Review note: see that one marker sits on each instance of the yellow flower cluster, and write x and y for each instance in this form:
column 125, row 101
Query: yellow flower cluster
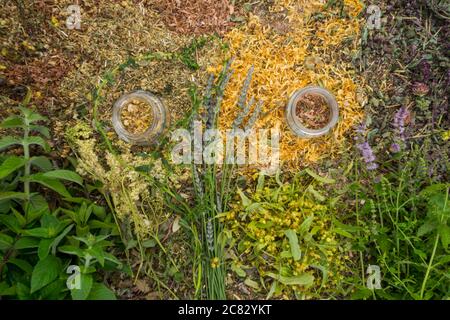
column 128, row 188
column 261, row 223
column 312, row 51
column 215, row 262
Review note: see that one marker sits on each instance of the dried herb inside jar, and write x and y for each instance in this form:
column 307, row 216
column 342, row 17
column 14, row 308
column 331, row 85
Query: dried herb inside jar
column 137, row 116
column 313, row 111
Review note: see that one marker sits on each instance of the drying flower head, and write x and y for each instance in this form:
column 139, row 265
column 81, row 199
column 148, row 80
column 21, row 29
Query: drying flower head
column 420, row 89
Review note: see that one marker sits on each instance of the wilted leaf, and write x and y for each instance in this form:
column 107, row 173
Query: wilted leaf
column 142, row 286
column 176, row 224
column 251, row 283
column 245, row 200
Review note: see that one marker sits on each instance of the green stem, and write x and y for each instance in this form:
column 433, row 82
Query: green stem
column 26, row 153
column 422, row 291
column 436, row 242
column 358, row 223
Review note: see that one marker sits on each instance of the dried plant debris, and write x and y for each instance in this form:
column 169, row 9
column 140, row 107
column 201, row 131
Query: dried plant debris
column 137, row 116
column 62, row 66
column 197, row 16
column 313, row 111
column 280, row 67
column 43, row 73
column 29, row 53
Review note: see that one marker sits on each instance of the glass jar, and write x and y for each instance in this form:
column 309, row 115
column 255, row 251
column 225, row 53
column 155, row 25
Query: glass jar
column 294, row 121
column 155, row 129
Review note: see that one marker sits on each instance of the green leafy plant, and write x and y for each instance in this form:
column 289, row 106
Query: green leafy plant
column 36, row 241
column 402, row 226
column 284, row 240
column 90, row 253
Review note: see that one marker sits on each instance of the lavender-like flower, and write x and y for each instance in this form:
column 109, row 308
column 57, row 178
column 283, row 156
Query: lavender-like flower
column 395, row 148
column 400, row 119
column 361, row 129
column 399, row 122
column 364, row 147
column 368, row 156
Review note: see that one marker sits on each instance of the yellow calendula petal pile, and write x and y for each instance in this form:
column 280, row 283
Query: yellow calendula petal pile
column 317, row 49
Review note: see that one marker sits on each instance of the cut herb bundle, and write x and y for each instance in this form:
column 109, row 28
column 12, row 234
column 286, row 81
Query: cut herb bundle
column 214, row 185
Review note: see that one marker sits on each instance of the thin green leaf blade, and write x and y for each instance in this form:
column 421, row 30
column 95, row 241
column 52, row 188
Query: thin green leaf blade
column 6, row 242
column 41, row 129
column 22, row 264
column 44, row 248
column 26, row 243
column 64, row 175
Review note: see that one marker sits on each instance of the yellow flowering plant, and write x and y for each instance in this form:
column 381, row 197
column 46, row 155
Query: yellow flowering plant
column 286, row 233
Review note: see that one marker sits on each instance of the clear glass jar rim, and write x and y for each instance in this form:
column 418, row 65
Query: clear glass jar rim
column 155, row 129
column 294, row 122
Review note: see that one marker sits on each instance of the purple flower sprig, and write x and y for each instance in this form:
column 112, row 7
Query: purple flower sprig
column 395, row 148
column 365, row 148
column 399, row 123
column 368, row 155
